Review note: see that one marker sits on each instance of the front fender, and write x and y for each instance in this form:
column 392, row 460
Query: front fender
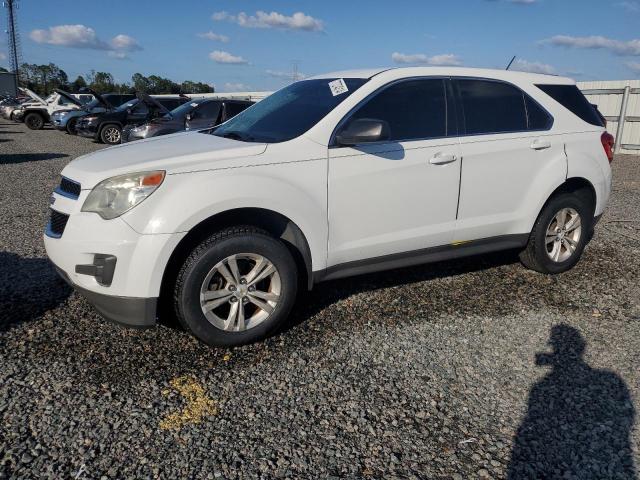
column 186, row 200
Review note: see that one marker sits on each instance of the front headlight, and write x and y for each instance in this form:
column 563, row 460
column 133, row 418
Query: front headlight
column 140, row 129
column 114, row 196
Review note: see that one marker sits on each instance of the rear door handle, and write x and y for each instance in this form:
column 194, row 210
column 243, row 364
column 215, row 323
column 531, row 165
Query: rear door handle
column 443, row 158
column 540, row 144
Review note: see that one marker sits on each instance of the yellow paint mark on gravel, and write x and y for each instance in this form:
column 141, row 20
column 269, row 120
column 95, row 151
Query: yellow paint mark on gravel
column 198, row 404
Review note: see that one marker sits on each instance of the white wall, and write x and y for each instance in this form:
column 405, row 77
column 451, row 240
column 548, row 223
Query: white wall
column 610, row 106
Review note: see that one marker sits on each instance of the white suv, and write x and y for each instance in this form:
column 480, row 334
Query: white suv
column 337, row 175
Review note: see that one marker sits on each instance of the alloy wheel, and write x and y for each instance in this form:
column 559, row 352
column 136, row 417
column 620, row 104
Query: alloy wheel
column 112, row 135
column 563, row 235
column 240, row 292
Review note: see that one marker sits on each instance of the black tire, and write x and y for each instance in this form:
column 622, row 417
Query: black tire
column 111, row 134
column 34, row 121
column 205, row 256
column 535, row 255
column 71, row 126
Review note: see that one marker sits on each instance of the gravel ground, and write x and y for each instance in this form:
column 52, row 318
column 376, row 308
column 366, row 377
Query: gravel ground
column 468, row 369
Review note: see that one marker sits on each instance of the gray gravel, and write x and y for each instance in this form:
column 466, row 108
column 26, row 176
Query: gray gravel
column 441, row 371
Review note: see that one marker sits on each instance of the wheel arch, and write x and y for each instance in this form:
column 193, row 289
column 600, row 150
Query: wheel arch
column 271, row 221
column 579, row 185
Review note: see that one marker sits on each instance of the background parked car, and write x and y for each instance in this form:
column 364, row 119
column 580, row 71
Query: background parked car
column 195, row 114
column 37, row 113
column 65, row 120
column 8, row 104
column 107, row 127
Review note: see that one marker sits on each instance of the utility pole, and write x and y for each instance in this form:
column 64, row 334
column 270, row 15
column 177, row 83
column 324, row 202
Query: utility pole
column 14, row 39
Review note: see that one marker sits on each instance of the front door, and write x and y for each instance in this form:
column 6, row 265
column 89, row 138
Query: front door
column 397, row 196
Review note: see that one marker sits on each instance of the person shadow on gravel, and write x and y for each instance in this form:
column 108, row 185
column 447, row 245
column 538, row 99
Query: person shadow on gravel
column 579, row 420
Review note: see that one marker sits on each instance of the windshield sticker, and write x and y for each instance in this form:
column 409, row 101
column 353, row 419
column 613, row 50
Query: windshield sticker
column 194, row 104
column 338, row 87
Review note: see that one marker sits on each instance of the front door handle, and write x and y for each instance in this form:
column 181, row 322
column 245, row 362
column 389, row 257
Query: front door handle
column 443, row 158
column 540, row 144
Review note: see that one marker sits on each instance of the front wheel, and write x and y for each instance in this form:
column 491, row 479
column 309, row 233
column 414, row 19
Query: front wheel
column 111, row 135
column 71, row 126
column 560, row 235
column 34, row 121
column 236, row 287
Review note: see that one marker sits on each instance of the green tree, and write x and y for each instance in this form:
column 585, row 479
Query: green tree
column 43, row 79
column 78, row 83
column 140, row 83
column 195, row 87
column 102, row 82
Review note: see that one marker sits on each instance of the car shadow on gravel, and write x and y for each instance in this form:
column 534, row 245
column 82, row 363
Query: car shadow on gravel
column 13, row 158
column 328, row 293
column 28, row 288
column 579, row 420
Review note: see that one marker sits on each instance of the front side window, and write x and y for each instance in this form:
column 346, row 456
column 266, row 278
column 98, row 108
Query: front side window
column 414, row 109
column 209, row 110
column 289, row 112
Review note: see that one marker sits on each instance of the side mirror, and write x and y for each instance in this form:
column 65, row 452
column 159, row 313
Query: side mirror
column 363, row 130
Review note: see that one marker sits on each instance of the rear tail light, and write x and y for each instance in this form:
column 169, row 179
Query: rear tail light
column 607, row 143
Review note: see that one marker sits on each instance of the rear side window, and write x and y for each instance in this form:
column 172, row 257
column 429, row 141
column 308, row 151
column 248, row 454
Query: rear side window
column 570, row 97
column 414, row 109
column 537, row 117
column 499, row 107
column 492, row 107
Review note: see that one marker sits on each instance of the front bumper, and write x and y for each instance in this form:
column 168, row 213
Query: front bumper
column 18, row 115
column 127, row 311
column 87, row 130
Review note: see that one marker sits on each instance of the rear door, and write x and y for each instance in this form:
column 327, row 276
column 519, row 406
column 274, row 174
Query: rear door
column 509, row 155
column 398, row 196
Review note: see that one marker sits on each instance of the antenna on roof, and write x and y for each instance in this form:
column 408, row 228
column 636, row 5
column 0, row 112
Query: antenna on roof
column 511, row 62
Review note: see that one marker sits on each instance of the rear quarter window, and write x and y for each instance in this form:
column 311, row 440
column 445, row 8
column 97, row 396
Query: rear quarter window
column 570, row 97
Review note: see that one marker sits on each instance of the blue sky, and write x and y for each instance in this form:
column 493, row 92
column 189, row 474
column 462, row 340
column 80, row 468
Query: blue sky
column 242, row 44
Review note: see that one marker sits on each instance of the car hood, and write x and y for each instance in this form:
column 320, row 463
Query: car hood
column 35, row 97
column 177, row 153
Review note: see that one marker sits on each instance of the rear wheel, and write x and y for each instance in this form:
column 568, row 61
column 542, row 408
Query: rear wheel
column 559, row 235
column 34, row 121
column 111, row 134
column 71, row 126
column 236, row 287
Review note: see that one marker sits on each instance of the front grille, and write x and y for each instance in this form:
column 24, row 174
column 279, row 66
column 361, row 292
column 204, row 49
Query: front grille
column 57, row 223
column 69, row 188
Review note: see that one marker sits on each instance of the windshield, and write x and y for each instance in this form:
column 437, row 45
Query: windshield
column 289, row 112
column 128, row 104
column 182, row 110
column 92, row 104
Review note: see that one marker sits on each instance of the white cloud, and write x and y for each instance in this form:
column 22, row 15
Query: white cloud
column 3, row 56
column 630, row 47
column 235, row 87
column 81, row 36
column 76, row 36
column 630, row 6
column 635, row 66
column 532, row 67
column 216, row 37
column 285, row 75
column 220, row 56
column 297, row 21
column 125, row 43
column 422, row 59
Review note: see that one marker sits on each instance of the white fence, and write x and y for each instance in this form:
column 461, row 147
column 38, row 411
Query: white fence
column 619, row 102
